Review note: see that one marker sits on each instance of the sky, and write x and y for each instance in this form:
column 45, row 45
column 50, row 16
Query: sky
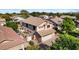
column 39, row 10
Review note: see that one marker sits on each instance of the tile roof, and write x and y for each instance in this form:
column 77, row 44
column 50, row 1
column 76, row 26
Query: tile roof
column 46, row 32
column 36, row 21
column 57, row 20
column 9, row 38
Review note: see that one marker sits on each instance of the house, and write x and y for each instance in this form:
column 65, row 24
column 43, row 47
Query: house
column 17, row 18
column 2, row 21
column 9, row 39
column 41, row 30
column 44, row 16
column 77, row 23
column 56, row 21
column 64, row 16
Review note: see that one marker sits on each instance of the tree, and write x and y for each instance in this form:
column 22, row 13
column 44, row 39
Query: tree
column 12, row 25
column 35, row 47
column 58, row 14
column 68, row 25
column 44, row 13
column 51, row 14
column 35, row 14
column 24, row 13
column 32, row 46
column 7, row 18
column 31, row 43
column 66, row 42
column 77, row 15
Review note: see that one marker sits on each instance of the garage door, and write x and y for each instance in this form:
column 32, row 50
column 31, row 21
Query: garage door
column 47, row 37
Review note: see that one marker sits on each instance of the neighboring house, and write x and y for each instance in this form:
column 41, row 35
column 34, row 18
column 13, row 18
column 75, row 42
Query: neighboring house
column 64, row 16
column 77, row 23
column 42, row 29
column 56, row 21
column 17, row 18
column 44, row 16
column 2, row 21
column 9, row 39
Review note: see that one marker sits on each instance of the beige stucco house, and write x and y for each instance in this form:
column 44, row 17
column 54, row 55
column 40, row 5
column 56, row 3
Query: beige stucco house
column 41, row 30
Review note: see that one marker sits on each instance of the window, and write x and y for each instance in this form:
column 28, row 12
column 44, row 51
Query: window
column 44, row 26
column 48, row 26
column 34, row 28
column 26, row 25
column 22, row 23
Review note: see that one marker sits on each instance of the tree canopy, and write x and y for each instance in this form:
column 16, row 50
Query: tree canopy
column 66, row 42
column 32, row 46
column 12, row 25
column 68, row 24
column 24, row 13
column 35, row 14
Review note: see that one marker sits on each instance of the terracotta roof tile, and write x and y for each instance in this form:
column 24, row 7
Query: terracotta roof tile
column 36, row 21
column 46, row 32
column 9, row 38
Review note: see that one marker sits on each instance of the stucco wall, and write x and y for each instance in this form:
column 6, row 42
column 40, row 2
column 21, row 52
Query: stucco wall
column 48, row 37
column 41, row 27
column 29, row 38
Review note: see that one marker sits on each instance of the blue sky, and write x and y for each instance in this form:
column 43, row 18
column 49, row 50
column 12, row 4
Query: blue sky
column 39, row 10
